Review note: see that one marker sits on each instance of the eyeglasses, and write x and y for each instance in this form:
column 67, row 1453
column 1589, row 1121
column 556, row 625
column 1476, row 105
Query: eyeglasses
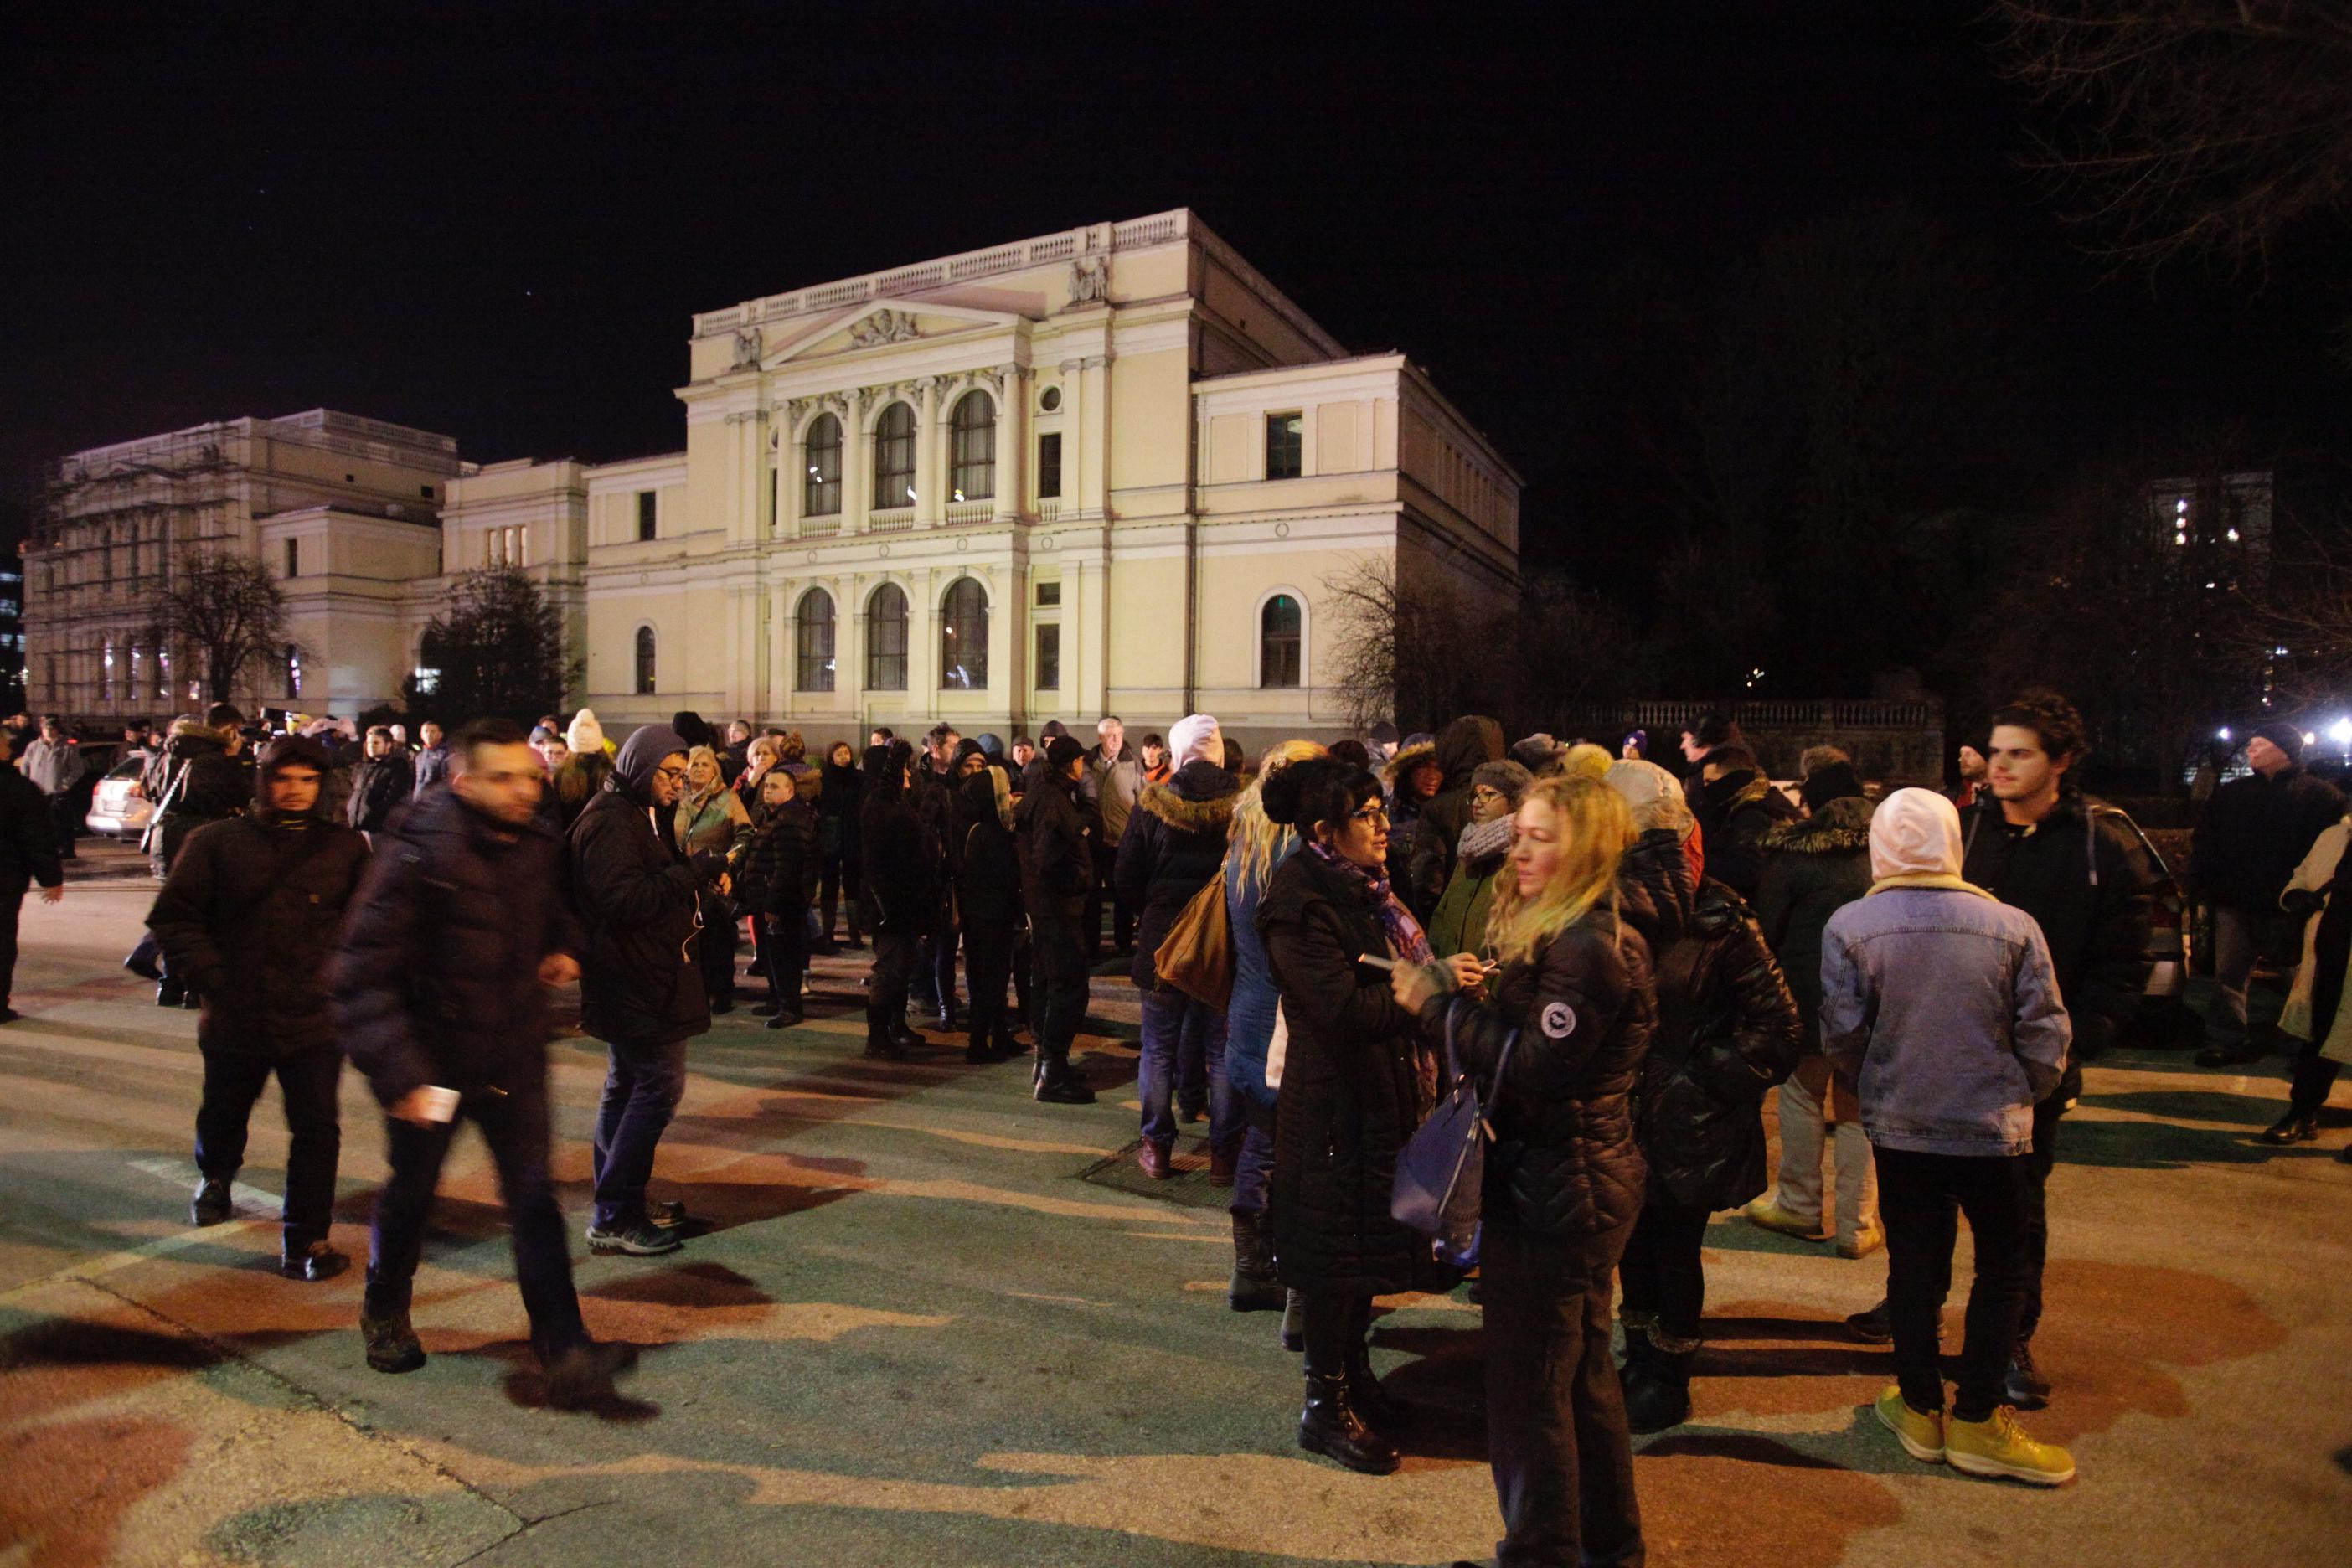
column 1378, row 814
column 676, row 776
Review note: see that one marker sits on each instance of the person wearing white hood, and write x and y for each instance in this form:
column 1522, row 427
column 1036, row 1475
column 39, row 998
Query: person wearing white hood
column 1942, row 1002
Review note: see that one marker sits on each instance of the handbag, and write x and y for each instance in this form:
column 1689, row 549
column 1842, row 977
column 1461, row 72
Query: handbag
column 1440, row 1171
column 1196, row 956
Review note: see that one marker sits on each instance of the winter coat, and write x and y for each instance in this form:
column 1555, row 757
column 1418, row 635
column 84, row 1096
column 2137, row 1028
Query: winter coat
column 1404, row 813
column 641, row 979
column 2327, row 1022
column 200, row 782
column 248, row 917
column 1173, row 847
column 1249, row 1014
column 28, row 845
column 1056, row 866
column 2083, row 875
column 1111, row 787
column 1727, row 1031
column 2303, row 895
column 1942, row 1004
column 718, row 823
column 54, row 767
column 2252, row 832
column 378, row 784
column 1813, row 868
column 1458, row 924
column 1734, row 812
column 1350, row 1089
column 1463, row 747
column 987, row 862
column 432, row 767
column 900, row 890
column 436, row 978
column 776, row 873
column 836, row 811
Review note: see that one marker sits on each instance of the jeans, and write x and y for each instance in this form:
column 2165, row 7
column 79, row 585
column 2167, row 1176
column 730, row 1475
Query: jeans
column 933, row 984
column 1555, row 1431
column 307, row 1080
column 643, row 1083
column 2239, row 939
column 2035, row 1239
column 1920, row 1198
column 515, row 1128
column 1061, row 980
column 1184, row 1057
column 886, row 983
column 1255, row 1168
column 1662, row 1273
column 1802, row 1135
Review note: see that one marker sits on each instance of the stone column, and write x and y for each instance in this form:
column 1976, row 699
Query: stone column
column 857, row 462
column 1012, row 445
column 931, row 455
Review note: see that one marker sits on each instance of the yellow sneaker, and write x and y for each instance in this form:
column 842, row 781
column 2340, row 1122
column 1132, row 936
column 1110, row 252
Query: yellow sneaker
column 1997, row 1446
column 1921, row 1433
column 1864, row 1242
column 1772, row 1216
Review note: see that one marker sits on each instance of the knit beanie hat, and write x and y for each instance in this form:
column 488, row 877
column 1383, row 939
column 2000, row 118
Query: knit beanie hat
column 1061, row 752
column 1196, row 736
column 1506, row 778
column 1586, row 760
column 583, row 733
column 1538, row 753
column 2286, row 737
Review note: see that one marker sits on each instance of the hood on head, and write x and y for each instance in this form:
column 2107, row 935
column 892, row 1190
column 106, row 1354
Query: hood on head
column 643, row 752
column 1406, row 759
column 887, row 766
column 1914, row 833
column 278, row 753
column 1196, row 738
column 1463, row 744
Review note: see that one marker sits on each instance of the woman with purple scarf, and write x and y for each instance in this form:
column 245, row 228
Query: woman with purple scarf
column 1355, row 1084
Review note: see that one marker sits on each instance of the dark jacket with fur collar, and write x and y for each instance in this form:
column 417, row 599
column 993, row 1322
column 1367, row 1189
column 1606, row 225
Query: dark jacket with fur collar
column 1812, row 869
column 1173, row 844
column 1734, row 814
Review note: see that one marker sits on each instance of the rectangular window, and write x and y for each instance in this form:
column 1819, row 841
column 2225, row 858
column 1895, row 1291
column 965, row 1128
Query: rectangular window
column 1285, row 445
column 425, row 490
column 1049, row 593
column 775, row 508
column 645, row 514
column 1049, row 465
column 1049, row 657
column 293, row 558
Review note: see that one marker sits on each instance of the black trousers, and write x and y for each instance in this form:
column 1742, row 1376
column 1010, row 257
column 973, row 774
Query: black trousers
column 1122, row 919
column 782, row 943
column 307, row 1081
column 2314, row 1075
column 1920, row 1199
column 1660, row 1269
column 12, row 910
column 1555, row 1416
column 2036, row 1239
column 64, row 820
column 988, row 968
column 515, row 1128
column 934, row 986
column 1024, row 977
column 886, row 987
column 1061, row 980
column 719, row 932
column 837, row 886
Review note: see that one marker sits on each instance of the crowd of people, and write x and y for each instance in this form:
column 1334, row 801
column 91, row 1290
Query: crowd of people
column 1628, row 958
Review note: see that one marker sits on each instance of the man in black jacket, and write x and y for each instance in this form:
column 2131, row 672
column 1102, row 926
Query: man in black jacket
column 900, row 895
column 440, row 997
column 2076, row 866
column 2253, row 833
column 641, row 991
column 432, row 769
column 1056, row 867
column 386, row 780
column 1736, row 805
column 247, row 919
column 28, row 854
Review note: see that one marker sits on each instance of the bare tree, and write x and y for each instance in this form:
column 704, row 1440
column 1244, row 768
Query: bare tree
column 2190, row 127
column 498, row 652
column 225, row 612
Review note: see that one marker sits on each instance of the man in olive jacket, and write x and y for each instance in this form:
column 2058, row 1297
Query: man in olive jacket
column 247, row 919
column 641, row 987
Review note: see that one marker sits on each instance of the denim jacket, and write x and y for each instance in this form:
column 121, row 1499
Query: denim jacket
column 1945, row 1005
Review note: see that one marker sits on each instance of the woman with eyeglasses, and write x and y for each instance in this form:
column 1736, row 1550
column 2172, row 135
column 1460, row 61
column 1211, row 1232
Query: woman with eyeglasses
column 1355, row 1084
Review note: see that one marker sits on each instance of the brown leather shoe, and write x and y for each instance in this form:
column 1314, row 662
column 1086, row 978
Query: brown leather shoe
column 1153, row 1160
column 1222, row 1163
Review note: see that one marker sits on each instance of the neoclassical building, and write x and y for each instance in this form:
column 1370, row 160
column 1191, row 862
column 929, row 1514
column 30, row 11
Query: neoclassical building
column 1111, row 469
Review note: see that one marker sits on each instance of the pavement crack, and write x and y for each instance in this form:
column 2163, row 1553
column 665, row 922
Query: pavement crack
column 527, row 1526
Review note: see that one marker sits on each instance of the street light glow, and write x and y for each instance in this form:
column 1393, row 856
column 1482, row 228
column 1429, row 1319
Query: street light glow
column 2222, row 734
column 2341, row 731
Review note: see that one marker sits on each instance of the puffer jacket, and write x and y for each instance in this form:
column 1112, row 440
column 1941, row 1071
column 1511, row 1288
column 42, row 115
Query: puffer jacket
column 436, row 978
column 249, row 914
column 1350, row 1089
column 1734, row 814
column 641, row 979
column 1812, row 869
column 1458, row 924
column 776, row 871
column 1173, row 846
column 1571, row 1166
column 379, row 785
column 1462, row 748
column 1727, row 1031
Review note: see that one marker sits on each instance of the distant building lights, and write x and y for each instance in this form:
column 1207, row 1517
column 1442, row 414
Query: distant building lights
column 2233, row 536
column 2222, row 734
column 2181, row 507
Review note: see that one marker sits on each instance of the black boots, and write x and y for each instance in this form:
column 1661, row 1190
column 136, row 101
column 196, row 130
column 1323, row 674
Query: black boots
column 1055, row 1081
column 312, row 1262
column 1254, row 1288
column 1656, row 1382
column 1387, row 1414
column 2024, row 1386
column 2294, row 1127
column 882, row 1042
column 211, row 1203
column 1294, row 1322
column 392, row 1344
column 1332, row 1422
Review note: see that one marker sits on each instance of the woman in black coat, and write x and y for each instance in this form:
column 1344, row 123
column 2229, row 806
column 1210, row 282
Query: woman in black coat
column 1352, row 1090
column 900, row 897
column 987, row 867
column 773, row 875
column 838, row 846
column 1727, row 1031
column 1564, row 1180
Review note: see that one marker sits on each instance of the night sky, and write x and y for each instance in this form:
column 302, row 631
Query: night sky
column 499, row 229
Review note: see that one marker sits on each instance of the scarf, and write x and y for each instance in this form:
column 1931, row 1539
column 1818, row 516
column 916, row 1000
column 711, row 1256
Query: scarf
column 1405, row 938
column 1926, row 880
column 1484, row 840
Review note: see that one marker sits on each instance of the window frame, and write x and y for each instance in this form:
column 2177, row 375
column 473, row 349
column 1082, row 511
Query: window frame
column 814, row 485
column 1293, row 444
column 815, row 669
column 1047, row 669
column 1049, row 470
column 648, row 516
column 878, row 676
column 963, row 626
column 971, row 447
column 894, row 486
column 1270, row 642
column 647, row 671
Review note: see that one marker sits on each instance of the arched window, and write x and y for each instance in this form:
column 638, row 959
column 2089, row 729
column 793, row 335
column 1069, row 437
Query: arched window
column 644, row 661
column 821, row 487
column 815, row 615
column 972, row 426
column 894, row 457
column 1278, row 627
column 963, row 637
column 886, row 640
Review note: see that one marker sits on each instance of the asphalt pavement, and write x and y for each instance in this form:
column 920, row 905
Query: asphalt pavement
column 909, row 1330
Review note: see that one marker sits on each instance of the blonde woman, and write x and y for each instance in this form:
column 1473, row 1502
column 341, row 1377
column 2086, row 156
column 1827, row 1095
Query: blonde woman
column 1564, row 1181
column 711, row 816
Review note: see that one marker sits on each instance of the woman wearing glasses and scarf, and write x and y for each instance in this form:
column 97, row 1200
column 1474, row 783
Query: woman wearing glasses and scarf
column 1355, row 1084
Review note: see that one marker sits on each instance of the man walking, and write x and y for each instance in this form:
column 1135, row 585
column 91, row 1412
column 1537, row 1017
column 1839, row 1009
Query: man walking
column 2250, row 837
column 641, row 991
column 1057, row 868
column 440, row 997
column 247, row 921
column 383, row 781
column 1113, row 783
column 55, row 765
column 28, row 854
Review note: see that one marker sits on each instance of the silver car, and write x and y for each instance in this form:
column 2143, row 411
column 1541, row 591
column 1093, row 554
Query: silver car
column 119, row 806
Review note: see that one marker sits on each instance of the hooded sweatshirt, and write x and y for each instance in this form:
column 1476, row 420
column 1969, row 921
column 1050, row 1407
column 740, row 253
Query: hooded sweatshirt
column 1939, row 999
column 641, row 979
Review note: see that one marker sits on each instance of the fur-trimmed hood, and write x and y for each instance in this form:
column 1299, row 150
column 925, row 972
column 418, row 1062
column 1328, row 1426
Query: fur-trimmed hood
column 1841, row 827
column 1199, row 798
column 1404, row 761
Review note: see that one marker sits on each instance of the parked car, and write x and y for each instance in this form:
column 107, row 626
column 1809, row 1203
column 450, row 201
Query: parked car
column 119, row 806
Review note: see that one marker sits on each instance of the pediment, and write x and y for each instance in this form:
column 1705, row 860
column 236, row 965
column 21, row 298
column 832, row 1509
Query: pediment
column 879, row 325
